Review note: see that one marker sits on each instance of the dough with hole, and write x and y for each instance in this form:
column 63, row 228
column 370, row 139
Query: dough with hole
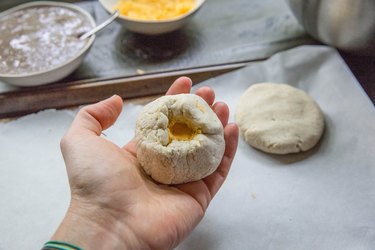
column 179, row 139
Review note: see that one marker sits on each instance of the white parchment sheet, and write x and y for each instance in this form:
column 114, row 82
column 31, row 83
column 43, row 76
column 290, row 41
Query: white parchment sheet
column 321, row 199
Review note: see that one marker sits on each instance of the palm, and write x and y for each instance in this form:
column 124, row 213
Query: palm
column 121, row 186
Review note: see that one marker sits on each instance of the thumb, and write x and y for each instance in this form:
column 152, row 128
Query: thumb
column 97, row 117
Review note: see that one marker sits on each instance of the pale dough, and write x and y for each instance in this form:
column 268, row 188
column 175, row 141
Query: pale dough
column 278, row 118
column 179, row 139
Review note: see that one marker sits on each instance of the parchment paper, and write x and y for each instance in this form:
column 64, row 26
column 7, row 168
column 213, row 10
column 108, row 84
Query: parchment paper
column 321, row 199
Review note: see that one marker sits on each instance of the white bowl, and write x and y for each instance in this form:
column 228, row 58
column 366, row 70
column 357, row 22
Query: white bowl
column 59, row 71
column 152, row 27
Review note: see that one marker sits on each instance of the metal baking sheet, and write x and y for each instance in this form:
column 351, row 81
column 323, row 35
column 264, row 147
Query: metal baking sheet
column 221, row 32
column 321, row 199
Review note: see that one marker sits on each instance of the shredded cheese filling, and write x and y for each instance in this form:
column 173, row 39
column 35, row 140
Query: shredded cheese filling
column 154, row 10
column 181, row 131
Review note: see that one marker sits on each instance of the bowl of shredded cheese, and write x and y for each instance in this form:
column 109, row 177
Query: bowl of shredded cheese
column 153, row 17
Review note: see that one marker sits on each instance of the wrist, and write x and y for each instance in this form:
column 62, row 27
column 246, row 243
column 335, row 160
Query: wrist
column 90, row 227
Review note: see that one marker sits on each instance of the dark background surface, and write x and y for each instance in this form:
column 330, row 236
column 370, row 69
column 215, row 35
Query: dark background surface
column 363, row 68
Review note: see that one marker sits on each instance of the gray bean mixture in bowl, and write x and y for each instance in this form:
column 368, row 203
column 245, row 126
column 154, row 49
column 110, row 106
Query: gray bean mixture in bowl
column 40, row 38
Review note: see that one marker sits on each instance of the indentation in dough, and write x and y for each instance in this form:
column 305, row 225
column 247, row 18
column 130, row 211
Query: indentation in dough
column 181, row 130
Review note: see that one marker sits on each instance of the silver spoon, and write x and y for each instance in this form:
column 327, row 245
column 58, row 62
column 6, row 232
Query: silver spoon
column 100, row 26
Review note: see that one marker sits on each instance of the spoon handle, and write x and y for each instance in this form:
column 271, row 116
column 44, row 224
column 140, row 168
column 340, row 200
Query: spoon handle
column 100, row 26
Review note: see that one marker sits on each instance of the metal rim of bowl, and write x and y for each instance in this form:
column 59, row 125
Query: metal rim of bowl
column 57, row 4
column 170, row 20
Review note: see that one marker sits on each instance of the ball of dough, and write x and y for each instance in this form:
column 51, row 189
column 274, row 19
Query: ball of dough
column 279, row 119
column 179, row 139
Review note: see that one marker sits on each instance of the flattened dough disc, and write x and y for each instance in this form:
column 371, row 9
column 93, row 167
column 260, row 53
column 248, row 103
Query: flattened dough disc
column 278, row 118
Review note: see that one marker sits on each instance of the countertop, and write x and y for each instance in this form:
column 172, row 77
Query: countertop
column 363, row 68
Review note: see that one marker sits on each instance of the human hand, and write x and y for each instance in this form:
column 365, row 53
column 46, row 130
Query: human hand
column 113, row 204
